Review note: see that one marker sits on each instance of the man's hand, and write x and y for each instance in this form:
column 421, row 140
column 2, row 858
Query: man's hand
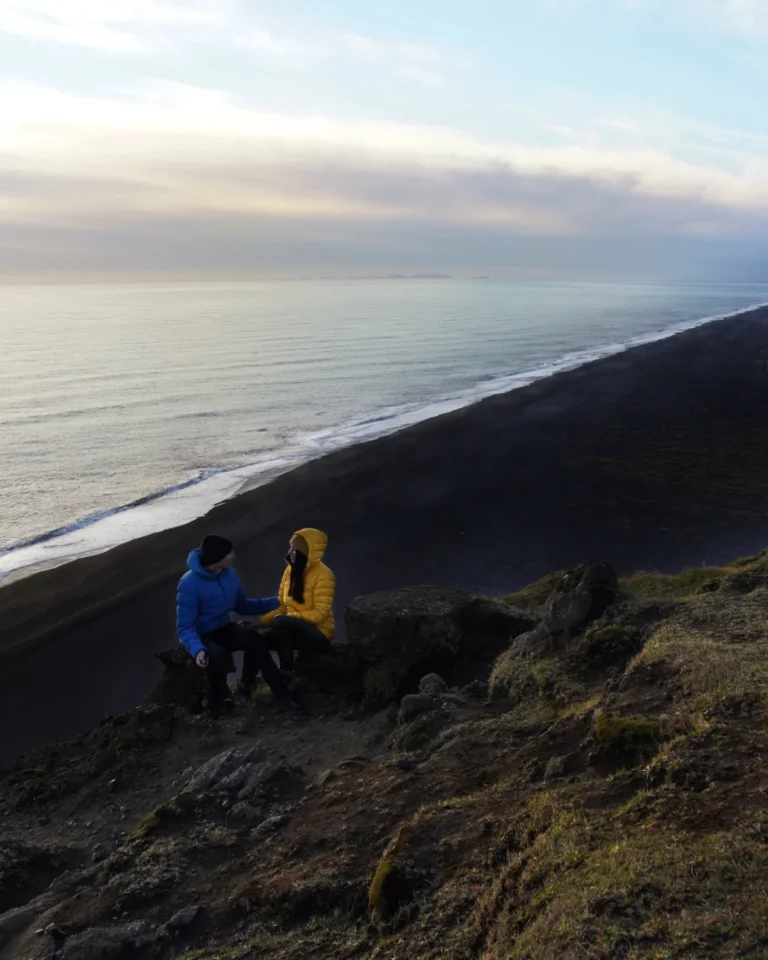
column 202, row 659
column 249, row 624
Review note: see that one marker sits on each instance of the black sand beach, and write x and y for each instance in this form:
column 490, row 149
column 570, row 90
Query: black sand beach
column 654, row 458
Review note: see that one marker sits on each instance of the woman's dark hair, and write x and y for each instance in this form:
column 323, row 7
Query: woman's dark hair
column 298, row 567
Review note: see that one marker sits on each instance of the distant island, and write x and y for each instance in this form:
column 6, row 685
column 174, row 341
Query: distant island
column 391, row 276
column 406, row 276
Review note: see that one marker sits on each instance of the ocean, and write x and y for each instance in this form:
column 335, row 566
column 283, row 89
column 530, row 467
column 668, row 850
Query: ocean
column 130, row 408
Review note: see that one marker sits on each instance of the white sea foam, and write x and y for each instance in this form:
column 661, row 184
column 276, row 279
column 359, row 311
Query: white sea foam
column 195, row 495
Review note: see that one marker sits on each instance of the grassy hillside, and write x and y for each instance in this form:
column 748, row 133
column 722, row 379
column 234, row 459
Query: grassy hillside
column 613, row 804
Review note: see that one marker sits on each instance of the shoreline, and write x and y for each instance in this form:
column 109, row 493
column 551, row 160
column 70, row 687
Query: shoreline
column 650, row 457
column 277, row 463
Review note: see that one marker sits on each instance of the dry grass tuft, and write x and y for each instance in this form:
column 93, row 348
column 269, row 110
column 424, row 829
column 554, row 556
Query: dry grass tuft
column 533, row 597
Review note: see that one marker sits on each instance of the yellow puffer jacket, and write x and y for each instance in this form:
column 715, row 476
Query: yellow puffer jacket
column 319, row 588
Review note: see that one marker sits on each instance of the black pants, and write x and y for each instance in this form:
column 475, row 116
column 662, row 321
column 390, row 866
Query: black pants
column 286, row 635
column 221, row 644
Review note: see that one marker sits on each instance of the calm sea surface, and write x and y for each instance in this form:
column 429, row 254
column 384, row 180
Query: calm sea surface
column 129, row 408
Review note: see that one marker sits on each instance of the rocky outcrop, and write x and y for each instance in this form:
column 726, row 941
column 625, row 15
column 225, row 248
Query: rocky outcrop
column 581, row 595
column 615, row 799
column 112, row 943
column 579, row 598
column 394, row 639
column 182, row 683
column 432, row 685
column 401, row 635
column 336, row 672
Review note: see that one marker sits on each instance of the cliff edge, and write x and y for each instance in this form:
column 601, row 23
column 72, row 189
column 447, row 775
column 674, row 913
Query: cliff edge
column 575, row 771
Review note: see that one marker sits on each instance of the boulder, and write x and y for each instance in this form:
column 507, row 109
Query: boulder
column 270, row 825
column 579, row 597
column 111, row 943
column 238, row 776
column 336, row 672
column 400, row 635
column 432, row 685
column 182, row 683
column 414, row 704
column 226, row 772
column 184, row 918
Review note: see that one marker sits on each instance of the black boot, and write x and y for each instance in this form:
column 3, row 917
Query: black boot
column 219, row 700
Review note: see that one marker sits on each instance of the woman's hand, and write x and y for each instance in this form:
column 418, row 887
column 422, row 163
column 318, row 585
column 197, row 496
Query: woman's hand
column 202, row 659
column 254, row 624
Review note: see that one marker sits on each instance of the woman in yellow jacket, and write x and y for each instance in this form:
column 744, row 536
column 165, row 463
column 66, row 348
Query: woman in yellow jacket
column 304, row 620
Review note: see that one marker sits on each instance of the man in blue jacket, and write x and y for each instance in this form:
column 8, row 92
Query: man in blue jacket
column 208, row 592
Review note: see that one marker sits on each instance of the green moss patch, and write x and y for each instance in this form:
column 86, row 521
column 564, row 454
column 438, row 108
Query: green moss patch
column 174, row 809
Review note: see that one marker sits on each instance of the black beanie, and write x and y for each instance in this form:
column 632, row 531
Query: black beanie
column 213, row 549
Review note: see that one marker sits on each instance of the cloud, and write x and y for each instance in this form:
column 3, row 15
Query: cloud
column 283, row 48
column 139, row 26
column 422, row 64
column 746, row 16
column 170, row 155
column 299, row 45
column 115, row 26
column 428, row 78
column 154, row 127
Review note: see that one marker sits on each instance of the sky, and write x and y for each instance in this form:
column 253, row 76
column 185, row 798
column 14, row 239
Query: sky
column 555, row 138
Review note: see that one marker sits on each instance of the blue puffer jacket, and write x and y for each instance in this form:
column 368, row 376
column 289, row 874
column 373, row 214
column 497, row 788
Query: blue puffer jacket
column 204, row 601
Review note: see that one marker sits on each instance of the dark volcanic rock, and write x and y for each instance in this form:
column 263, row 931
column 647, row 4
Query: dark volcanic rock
column 580, row 596
column 111, row 943
column 414, row 704
column 337, row 671
column 400, row 635
column 182, row 683
column 270, row 825
column 432, row 685
column 184, row 918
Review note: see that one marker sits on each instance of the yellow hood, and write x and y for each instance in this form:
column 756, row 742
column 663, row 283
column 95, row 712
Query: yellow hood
column 317, row 541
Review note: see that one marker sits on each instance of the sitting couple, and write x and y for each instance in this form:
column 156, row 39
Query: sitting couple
column 299, row 618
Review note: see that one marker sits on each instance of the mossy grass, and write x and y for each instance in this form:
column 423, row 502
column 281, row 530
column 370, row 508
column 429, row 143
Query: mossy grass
column 634, row 738
column 525, row 680
column 533, row 597
column 653, row 585
column 595, row 873
column 385, row 892
column 163, row 814
column 715, row 651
